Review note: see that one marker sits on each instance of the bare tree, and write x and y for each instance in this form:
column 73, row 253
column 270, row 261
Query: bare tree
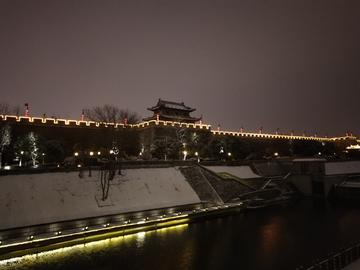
column 7, row 109
column 111, row 114
column 5, row 140
column 33, row 147
column 181, row 137
column 107, row 173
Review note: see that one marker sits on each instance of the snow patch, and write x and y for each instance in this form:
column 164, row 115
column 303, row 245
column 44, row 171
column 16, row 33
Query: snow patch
column 45, row 198
column 243, row 172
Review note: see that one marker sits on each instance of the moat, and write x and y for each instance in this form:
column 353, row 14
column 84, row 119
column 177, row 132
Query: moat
column 271, row 238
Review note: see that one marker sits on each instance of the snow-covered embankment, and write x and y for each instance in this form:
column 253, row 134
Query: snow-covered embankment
column 32, row 199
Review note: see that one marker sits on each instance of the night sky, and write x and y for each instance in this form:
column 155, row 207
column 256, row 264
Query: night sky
column 292, row 65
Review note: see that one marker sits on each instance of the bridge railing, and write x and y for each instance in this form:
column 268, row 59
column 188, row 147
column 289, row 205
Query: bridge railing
column 337, row 261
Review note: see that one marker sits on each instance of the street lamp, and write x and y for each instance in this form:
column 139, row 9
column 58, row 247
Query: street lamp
column 197, row 155
column 22, row 152
column 185, row 153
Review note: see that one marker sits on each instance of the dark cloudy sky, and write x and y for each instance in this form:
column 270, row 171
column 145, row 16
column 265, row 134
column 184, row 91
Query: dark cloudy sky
column 292, row 65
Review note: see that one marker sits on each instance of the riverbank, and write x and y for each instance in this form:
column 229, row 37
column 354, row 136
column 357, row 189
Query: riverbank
column 51, row 209
column 31, row 199
column 54, row 239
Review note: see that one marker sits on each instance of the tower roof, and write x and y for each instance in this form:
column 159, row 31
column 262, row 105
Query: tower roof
column 171, row 105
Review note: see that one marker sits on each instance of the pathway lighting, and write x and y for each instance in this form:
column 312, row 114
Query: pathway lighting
column 22, row 152
column 197, row 155
column 91, row 153
column 164, row 216
column 99, row 153
column 76, row 154
column 86, row 228
column 129, row 221
column 111, row 151
column 179, row 213
column 31, row 237
column 194, row 211
column 59, row 233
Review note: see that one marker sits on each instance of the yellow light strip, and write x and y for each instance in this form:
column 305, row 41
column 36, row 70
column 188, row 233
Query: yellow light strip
column 62, row 235
column 264, row 135
column 166, row 123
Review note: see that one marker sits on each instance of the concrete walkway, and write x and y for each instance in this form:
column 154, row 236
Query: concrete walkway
column 353, row 266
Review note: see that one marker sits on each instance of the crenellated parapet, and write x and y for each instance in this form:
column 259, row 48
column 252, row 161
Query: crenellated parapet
column 59, row 122
column 161, row 123
column 278, row 136
column 48, row 122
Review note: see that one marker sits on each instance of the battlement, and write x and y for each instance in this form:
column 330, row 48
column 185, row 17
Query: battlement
column 157, row 123
column 274, row 136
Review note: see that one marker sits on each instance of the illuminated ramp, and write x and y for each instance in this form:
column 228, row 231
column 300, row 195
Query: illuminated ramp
column 241, row 174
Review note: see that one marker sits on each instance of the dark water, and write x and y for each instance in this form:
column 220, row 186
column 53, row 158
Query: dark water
column 276, row 238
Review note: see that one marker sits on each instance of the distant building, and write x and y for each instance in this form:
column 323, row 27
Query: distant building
column 172, row 111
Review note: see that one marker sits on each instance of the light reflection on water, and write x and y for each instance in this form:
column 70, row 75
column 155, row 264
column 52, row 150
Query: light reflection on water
column 276, row 238
column 58, row 258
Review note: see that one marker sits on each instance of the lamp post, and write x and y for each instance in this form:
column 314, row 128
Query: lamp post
column 197, row 155
column 21, row 155
column 185, row 153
